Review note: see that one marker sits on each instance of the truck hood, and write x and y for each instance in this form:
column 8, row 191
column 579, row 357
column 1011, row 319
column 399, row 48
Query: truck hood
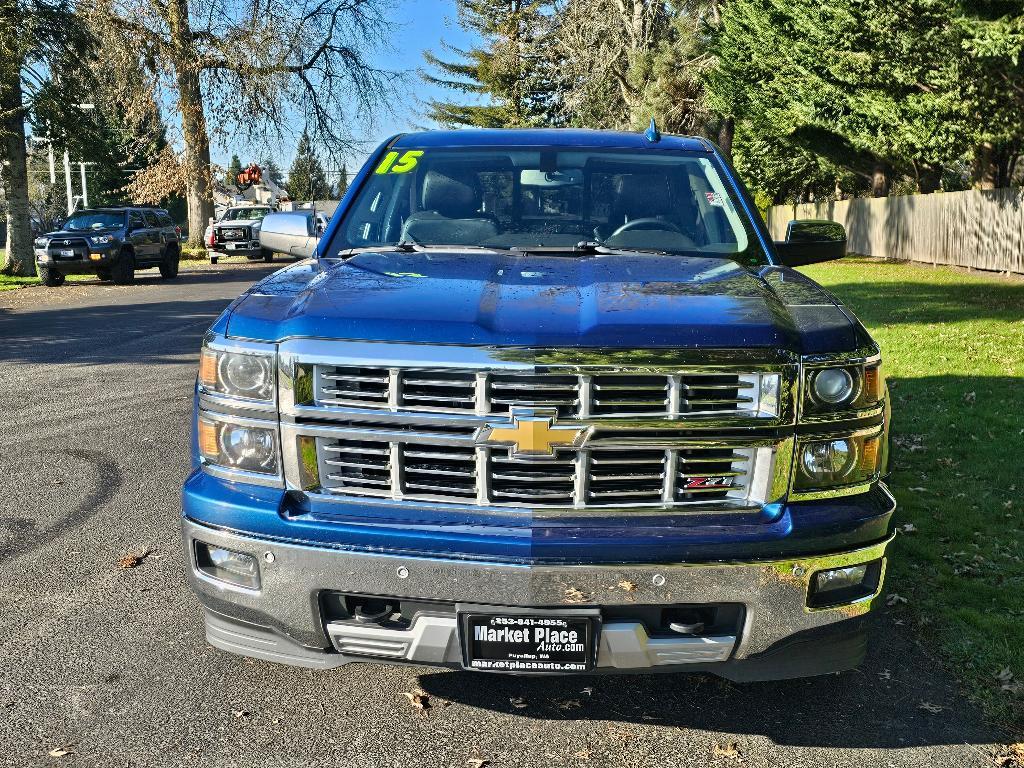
column 507, row 299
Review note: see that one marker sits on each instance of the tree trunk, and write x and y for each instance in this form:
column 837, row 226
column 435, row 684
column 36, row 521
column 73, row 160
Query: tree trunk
column 726, row 131
column 929, row 179
column 986, row 171
column 198, row 187
column 881, row 180
column 19, row 258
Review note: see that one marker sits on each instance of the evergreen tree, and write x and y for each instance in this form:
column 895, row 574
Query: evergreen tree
column 507, row 72
column 272, row 171
column 342, row 182
column 306, row 178
column 231, row 175
column 861, row 88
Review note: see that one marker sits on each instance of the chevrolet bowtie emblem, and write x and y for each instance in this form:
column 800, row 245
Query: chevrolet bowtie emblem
column 532, row 435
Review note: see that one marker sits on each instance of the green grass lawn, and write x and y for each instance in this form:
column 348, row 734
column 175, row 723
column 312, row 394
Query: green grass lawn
column 953, row 351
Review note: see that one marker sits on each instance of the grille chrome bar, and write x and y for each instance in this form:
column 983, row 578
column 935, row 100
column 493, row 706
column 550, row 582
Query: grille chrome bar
column 616, row 395
column 440, row 467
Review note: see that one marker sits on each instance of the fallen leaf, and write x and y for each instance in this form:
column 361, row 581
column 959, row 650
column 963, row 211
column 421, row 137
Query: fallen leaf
column 627, row 586
column 133, row 561
column 518, row 703
column 1010, row 756
column 62, row 751
column 894, row 599
column 907, row 528
column 927, row 706
column 569, row 704
column 588, row 691
column 918, row 489
column 730, row 750
column 573, row 595
column 1004, row 675
column 970, row 397
column 418, row 699
column 239, row 713
column 584, row 754
column 885, row 674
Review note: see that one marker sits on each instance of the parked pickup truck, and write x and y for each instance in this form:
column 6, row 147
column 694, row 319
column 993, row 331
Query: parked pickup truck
column 238, row 232
column 545, row 401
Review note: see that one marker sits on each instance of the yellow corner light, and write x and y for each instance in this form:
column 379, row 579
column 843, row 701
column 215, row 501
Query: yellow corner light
column 208, row 439
column 95, row 256
column 874, row 384
column 869, row 455
column 208, row 368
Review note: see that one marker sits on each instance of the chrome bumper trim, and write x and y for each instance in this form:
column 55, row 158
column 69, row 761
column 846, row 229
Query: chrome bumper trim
column 773, row 592
column 435, row 640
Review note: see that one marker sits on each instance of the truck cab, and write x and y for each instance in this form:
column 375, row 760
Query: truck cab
column 543, row 402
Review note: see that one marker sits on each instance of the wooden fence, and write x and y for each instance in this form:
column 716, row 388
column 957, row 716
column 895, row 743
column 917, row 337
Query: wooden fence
column 979, row 229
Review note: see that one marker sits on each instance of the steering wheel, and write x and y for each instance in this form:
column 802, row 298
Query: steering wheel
column 648, row 223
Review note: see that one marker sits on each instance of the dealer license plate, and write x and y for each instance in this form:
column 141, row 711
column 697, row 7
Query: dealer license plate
column 528, row 642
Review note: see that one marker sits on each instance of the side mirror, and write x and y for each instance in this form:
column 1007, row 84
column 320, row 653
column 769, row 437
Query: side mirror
column 810, row 241
column 290, row 232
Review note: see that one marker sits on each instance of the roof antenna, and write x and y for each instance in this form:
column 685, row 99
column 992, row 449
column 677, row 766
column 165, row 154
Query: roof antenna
column 652, row 134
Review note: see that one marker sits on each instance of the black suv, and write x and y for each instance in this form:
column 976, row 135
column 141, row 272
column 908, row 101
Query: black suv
column 110, row 242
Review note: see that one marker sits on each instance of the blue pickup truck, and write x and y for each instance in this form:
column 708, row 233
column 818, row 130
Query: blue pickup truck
column 545, row 401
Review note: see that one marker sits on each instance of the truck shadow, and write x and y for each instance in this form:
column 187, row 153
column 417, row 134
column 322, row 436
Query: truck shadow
column 897, row 698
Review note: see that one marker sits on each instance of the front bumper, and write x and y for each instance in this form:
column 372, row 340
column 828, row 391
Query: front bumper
column 243, row 247
column 83, row 263
column 284, row 620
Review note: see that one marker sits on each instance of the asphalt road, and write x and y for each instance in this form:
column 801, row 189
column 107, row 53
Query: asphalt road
column 109, row 666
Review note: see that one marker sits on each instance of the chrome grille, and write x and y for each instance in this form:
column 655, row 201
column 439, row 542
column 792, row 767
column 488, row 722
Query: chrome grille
column 570, row 395
column 449, row 467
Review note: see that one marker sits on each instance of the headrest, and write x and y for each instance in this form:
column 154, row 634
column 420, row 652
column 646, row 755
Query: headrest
column 452, row 197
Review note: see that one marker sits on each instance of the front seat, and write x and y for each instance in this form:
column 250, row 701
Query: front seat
column 449, row 213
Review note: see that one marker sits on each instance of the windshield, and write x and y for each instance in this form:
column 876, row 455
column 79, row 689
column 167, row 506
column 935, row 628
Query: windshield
column 245, row 214
column 89, row 220
column 662, row 201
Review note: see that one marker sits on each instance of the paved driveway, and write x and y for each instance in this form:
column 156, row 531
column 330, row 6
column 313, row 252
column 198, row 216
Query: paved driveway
column 109, row 666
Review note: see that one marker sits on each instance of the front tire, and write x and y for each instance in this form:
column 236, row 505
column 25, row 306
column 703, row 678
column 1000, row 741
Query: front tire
column 268, row 255
column 169, row 266
column 123, row 272
column 51, row 278
column 103, row 274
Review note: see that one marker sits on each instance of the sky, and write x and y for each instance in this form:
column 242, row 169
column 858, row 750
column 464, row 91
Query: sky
column 417, row 25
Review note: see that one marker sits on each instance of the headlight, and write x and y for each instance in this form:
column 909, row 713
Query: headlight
column 101, row 239
column 832, row 386
column 41, row 242
column 836, row 462
column 240, row 446
column 248, row 375
column 842, row 388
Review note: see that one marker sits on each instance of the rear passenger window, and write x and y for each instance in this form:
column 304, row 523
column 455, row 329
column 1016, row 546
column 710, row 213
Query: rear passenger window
column 165, row 219
column 135, row 220
column 151, row 220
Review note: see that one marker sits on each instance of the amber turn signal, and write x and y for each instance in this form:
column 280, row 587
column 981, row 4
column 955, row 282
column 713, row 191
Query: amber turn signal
column 208, row 439
column 208, row 368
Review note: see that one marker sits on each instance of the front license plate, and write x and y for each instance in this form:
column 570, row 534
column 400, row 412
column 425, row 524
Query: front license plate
column 67, row 252
column 528, row 643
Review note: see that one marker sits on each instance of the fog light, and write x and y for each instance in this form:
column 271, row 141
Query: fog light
column 840, row 586
column 227, row 565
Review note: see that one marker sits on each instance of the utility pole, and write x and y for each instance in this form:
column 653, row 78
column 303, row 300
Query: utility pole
column 85, row 187
column 67, row 183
